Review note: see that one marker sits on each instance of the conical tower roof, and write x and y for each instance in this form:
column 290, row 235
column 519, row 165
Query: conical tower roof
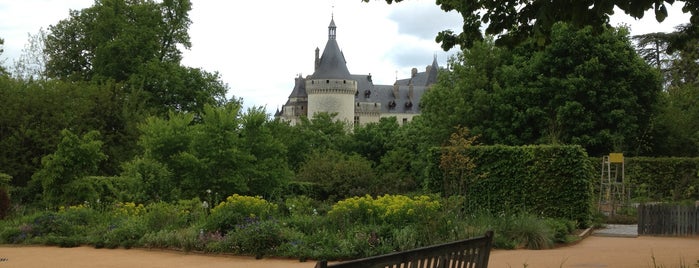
column 432, row 75
column 332, row 63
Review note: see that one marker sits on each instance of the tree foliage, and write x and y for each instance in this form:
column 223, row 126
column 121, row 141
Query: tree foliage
column 75, row 158
column 340, row 175
column 513, row 21
column 676, row 55
column 583, row 88
column 226, row 152
column 136, row 42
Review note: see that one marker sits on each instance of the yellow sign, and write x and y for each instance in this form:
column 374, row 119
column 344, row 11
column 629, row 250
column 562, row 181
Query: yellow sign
column 616, row 158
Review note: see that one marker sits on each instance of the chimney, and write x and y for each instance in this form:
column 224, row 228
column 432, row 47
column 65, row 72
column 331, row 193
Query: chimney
column 395, row 91
column 317, row 62
column 413, row 72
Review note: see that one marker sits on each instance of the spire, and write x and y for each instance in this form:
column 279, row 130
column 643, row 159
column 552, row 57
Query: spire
column 432, row 72
column 332, row 29
column 332, row 62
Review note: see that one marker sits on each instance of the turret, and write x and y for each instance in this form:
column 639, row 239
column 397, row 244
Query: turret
column 331, row 88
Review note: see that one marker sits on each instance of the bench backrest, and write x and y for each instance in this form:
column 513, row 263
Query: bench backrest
column 471, row 253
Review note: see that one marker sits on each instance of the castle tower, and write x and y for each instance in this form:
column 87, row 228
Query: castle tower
column 331, row 88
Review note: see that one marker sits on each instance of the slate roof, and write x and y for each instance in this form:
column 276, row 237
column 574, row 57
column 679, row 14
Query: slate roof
column 299, row 90
column 425, row 78
column 383, row 94
column 332, row 63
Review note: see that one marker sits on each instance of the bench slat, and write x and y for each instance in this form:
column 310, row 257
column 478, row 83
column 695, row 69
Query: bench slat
column 469, row 253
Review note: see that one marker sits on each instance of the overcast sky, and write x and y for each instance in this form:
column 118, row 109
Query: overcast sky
column 258, row 47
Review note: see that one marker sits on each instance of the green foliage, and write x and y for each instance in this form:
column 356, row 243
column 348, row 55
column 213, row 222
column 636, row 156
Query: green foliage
column 677, row 125
column 256, row 237
column 236, row 210
column 353, row 228
column 552, row 181
column 339, row 175
column 319, row 133
column 598, row 96
column 224, row 152
column 394, row 210
column 75, row 158
column 663, row 179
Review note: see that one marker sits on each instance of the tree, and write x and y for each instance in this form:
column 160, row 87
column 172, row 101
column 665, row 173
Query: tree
column 372, row 140
column 136, row 43
column 75, row 158
column 582, row 88
column 268, row 171
column 318, row 133
column 675, row 54
column 31, row 64
column 457, row 167
column 513, row 21
column 2, row 68
column 338, row 174
column 113, row 38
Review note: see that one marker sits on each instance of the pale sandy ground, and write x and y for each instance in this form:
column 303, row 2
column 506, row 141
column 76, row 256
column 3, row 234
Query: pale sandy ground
column 591, row 252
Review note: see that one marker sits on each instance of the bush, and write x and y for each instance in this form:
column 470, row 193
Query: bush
column 4, row 203
column 256, row 237
column 394, row 210
column 235, row 210
column 548, row 180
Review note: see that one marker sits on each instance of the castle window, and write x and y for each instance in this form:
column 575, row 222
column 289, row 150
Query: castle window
column 327, row 81
column 405, row 121
column 356, row 120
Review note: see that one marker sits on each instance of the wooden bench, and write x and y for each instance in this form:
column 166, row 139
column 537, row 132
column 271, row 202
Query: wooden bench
column 471, row 253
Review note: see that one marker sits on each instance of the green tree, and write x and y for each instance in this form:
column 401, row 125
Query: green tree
column 136, row 42
column 3, row 72
column 402, row 167
column 338, row 174
column 582, row 88
column 318, row 133
column 223, row 152
column 372, row 140
column 31, row 63
column 75, row 158
column 35, row 112
column 514, row 21
column 677, row 124
column 268, row 171
column 676, row 132
column 457, row 167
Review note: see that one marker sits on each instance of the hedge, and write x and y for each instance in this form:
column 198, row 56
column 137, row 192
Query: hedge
column 549, row 180
column 660, row 179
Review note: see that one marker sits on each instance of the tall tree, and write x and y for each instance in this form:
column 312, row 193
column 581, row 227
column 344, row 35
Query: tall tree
column 31, row 64
column 513, row 21
column 75, row 158
column 136, row 42
column 2, row 49
column 582, row 88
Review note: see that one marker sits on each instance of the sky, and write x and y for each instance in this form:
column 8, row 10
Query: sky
column 259, row 47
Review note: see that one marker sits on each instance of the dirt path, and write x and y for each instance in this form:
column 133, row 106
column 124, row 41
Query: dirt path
column 591, row 252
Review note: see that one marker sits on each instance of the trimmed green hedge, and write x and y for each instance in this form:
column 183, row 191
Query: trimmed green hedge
column 663, row 179
column 551, row 181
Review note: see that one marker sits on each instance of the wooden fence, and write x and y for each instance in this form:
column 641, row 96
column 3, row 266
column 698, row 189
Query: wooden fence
column 469, row 253
column 668, row 220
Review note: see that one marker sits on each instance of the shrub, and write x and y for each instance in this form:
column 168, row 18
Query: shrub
column 4, row 203
column 235, row 210
column 256, row 237
column 395, row 210
column 548, row 180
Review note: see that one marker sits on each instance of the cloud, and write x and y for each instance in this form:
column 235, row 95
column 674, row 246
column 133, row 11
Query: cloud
column 423, row 19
